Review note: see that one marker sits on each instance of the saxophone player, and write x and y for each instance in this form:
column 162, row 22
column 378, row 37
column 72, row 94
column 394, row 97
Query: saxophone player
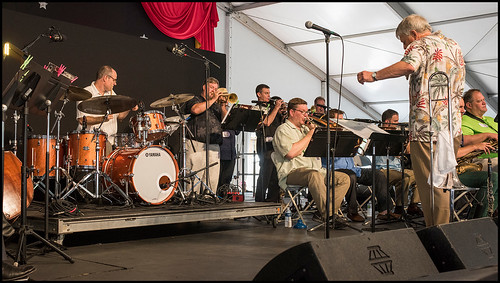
column 478, row 128
column 475, row 178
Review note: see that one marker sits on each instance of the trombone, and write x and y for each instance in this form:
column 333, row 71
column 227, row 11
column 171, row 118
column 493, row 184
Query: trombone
column 229, row 97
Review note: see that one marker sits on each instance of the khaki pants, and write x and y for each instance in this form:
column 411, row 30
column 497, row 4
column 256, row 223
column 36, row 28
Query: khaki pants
column 316, row 183
column 196, row 160
column 409, row 180
column 420, row 159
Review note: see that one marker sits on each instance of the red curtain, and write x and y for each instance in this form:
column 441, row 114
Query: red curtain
column 183, row 20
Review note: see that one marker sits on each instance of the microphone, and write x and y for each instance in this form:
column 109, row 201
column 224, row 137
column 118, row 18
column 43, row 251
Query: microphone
column 176, row 49
column 310, row 25
column 55, row 35
column 322, row 106
column 366, row 120
column 260, row 102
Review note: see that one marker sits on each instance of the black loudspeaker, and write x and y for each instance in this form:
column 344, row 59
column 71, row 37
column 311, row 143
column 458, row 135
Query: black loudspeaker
column 387, row 255
column 467, row 244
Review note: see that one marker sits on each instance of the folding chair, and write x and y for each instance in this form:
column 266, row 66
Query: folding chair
column 464, row 200
column 292, row 200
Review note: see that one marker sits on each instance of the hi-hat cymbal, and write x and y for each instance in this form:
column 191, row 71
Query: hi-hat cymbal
column 75, row 93
column 175, row 119
column 172, row 99
column 100, row 105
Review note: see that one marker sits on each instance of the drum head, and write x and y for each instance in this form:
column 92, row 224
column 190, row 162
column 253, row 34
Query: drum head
column 155, row 174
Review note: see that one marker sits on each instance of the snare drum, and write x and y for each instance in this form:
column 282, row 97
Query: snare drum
column 150, row 173
column 37, row 149
column 81, row 152
column 126, row 140
column 152, row 121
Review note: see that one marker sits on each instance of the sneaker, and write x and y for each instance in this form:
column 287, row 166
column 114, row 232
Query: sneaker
column 317, row 217
column 339, row 222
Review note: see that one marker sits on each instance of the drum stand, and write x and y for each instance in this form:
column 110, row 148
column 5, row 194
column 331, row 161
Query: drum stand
column 97, row 173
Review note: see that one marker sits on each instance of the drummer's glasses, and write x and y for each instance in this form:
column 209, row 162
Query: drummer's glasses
column 114, row 80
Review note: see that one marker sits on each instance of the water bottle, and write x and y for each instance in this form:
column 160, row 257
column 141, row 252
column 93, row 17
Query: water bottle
column 288, row 218
column 369, row 209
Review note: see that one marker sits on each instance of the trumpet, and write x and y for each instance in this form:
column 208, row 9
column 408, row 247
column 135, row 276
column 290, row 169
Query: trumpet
column 229, row 97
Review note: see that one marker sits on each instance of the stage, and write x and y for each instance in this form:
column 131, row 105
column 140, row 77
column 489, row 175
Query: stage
column 94, row 217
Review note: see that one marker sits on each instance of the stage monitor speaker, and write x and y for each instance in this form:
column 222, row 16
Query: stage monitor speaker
column 387, row 255
column 466, row 244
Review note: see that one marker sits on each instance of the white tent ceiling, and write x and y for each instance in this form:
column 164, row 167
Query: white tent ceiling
column 369, row 43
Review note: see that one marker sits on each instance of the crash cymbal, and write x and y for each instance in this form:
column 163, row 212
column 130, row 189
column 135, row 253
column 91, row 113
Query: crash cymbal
column 172, row 99
column 115, row 103
column 75, row 93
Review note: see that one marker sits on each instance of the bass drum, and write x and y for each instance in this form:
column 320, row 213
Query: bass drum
column 12, row 186
column 150, row 173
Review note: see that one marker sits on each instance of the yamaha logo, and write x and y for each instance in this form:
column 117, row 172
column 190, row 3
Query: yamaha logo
column 152, row 154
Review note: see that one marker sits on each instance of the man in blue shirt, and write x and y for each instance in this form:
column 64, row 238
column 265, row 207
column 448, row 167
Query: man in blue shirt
column 363, row 176
column 390, row 120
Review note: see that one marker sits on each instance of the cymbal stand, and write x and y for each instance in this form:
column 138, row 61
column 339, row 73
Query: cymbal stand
column 183, row 170
column 97, row 173
column 16, row 117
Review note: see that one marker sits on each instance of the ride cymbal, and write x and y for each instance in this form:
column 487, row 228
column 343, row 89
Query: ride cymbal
column 101, row 104
column 172, row 99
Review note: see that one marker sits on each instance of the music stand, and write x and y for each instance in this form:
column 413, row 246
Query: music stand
column 347, row 144
column 242, row 118
column 35, row 89
column 381, row 144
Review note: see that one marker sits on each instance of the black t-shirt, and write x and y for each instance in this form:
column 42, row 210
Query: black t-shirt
column 196, row 123
column 269, row 133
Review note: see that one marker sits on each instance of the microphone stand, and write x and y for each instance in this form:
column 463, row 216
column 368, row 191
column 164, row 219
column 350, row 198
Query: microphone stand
column 207, row 141
column 328, row 142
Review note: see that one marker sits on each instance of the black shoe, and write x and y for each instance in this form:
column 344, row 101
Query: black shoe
column 11, row 272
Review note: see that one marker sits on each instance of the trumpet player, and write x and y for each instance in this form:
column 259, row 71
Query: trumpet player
column 479, row 179
column 268, row 178
column 478, row 128
column 196, row 150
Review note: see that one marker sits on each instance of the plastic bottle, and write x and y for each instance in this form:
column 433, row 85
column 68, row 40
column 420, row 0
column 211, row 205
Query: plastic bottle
column 288, row 218
column 369, row 209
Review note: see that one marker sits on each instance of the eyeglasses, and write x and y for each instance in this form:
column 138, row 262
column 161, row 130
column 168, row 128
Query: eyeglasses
column 114, row 80
column 301, row 111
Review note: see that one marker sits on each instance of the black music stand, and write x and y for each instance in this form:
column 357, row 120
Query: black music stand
column 33, row 89
column 242, row 118
column 381, row 144
column 346, row 145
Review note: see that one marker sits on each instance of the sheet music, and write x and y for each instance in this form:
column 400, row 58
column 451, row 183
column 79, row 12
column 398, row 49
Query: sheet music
column 361, row 129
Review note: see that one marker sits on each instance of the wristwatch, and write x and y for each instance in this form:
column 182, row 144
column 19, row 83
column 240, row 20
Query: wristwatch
column 374, row 76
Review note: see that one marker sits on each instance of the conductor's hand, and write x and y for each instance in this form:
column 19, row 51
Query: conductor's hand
column 365, row 76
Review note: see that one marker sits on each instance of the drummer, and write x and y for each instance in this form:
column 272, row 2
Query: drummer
column 103, row 85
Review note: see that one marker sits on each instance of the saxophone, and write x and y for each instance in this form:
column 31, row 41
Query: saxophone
column 465, row 163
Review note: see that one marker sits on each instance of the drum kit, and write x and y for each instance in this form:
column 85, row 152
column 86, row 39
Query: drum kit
column 136, row 170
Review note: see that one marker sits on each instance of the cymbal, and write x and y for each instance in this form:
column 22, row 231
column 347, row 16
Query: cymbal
column 75, row 93
column 175, row 119
column 100, row 105
column 172, row 99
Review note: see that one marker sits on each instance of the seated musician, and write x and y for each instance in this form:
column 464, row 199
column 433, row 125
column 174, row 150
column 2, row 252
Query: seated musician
column 478, row 128
column 290, row 142
column 363, row 176
column 473, row 177
column 390, row 119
